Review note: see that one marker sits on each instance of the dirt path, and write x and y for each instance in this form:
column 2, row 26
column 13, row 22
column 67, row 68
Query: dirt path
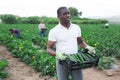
column 20, row 71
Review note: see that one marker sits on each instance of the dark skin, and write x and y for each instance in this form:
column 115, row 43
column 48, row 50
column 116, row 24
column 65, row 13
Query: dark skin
column 64, row 19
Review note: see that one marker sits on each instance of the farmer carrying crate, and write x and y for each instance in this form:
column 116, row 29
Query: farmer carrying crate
column 66, row 36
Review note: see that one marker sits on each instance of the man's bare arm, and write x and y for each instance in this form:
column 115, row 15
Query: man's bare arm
column 50, row 46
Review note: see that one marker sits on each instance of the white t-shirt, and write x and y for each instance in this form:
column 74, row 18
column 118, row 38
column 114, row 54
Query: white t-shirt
column 66, row 39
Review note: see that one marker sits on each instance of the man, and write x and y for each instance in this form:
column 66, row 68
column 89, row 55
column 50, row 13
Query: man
column 14, row 32
column 42, row 28
column 66, row 36
column 106, row 25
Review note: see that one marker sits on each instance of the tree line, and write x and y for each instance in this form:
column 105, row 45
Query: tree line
column 75, row 17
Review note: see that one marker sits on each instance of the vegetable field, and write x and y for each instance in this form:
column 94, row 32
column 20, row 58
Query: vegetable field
column 106, row 41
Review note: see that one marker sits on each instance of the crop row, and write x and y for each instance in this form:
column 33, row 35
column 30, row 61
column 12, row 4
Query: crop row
column 106, row 41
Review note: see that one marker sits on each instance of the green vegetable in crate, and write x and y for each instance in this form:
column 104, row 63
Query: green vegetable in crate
column 81, row 57
column 85, row 57
column 60, row 56
column 80, row 60
column 75, row 57
column 71, row 57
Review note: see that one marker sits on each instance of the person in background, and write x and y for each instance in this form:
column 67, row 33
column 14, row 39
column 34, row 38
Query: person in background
column 106, row 25
column 14, row 32
column 66, row 37
column 42, row 28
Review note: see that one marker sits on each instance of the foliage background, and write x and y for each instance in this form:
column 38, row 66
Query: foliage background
column 106, row 41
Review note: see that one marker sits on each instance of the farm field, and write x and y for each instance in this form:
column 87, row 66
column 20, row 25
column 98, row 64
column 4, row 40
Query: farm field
column 106, row 41
column 20, row 71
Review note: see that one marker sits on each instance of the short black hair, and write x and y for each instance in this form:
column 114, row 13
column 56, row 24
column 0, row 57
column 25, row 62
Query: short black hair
column 11, row 29
column 59, row 10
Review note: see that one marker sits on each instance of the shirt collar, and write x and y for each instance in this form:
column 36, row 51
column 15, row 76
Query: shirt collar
column 61, row 26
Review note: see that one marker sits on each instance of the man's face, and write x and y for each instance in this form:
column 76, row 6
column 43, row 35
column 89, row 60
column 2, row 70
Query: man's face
column 64, row 15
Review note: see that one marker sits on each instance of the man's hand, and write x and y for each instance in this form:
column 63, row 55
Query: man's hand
column 60, row 56
column 90, row 49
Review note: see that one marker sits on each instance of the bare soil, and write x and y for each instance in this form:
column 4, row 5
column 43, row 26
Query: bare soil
column 20, row 71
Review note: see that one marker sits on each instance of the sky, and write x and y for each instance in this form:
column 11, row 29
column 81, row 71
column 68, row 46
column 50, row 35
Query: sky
column 89, row 8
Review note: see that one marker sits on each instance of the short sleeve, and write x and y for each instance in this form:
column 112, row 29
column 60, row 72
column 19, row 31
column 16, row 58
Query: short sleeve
column 51, row 36
column 79, row 31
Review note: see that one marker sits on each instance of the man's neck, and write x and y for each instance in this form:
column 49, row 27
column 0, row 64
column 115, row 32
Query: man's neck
column 65, row 24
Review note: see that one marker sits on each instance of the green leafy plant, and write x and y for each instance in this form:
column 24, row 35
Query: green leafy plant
column 105, row 62
column 3, row 64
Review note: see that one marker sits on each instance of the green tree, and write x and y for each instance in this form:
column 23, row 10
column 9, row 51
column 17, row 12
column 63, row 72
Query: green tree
column 74, row 12
column 22, row 20
column 33, row 20
column 8, row 18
